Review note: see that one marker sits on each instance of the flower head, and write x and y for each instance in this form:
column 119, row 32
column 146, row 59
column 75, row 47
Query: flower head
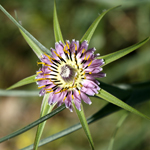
column 69, row 74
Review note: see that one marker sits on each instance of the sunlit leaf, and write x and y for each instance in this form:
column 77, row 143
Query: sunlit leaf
column 34, row 47
column 88, row 35
column 116, row 55
column 57, row 31
column 45, row 109
column 35, row 41
column 114, row 100
column 84, row 124
column 25, row 81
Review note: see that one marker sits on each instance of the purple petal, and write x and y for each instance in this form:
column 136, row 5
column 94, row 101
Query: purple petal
column 97, row 75
column 85, row 98
column 42, row 92
column 77, row 104
column 93, row 70
column 88, row 91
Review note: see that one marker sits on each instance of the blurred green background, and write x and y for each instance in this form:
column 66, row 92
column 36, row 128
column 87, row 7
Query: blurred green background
column 119, row 29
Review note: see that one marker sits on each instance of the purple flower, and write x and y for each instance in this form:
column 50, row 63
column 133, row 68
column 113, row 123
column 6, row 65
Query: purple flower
column 69, row 74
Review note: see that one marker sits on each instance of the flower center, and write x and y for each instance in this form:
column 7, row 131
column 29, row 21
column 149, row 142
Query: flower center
column 68, row 73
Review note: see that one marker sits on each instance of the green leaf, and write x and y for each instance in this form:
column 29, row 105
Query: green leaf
column 35, row 41
column 57, row 31
column 114, row 100
column 20, row 93
column 25, row 81
column 120, row 122
column 84, row 124
column 116, row 55
column 88, row 35
column 34, row 47
column 45, row 109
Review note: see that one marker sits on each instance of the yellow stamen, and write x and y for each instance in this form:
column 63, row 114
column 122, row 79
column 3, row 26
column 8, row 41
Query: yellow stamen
column 49, row 91
column 72, row 96
column 38, row 72
column 90, row 72
column 67, row 44
column 64, row 98
column 89, row 63
column 40, row 79
column 41, row 87
column 81, row 85
column 75, row 47
column 57, row 54
column 79, row 92
column 48, row 57
column 41, row 63
column 83, row 50
column 88, row 57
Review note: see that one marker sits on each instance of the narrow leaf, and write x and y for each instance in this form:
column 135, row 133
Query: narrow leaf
column 45, row 109
column 114, row 100
column 116, row 55
column 28, row 80
column 34, row 47
column 84, row 124
column 34, row 40
column 88, row 35
column 57, row 31
column 120, row 122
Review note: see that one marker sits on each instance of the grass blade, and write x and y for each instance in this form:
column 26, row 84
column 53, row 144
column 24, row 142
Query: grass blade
column 43, row 48
column 57, row 30
column 88, row 35
column 25, row 81
column 116, row 55
column 84, row 124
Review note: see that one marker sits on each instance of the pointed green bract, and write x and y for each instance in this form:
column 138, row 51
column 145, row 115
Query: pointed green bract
column 116, row 55
column 25, row 81
column 84, row 124
column 57, row 31
column 35, row 41
column 45, row 109
column 114, row 100
column 88, row 35
column 34, row 47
